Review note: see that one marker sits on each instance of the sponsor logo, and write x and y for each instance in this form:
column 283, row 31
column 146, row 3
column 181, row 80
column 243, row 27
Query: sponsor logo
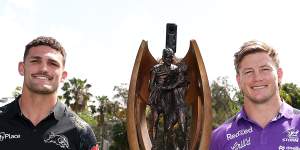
column 288, row 148
column 239, row 133
column 291, row 136
column 241, row 144
column 8, row 136
column 60, row 140
column 281, row 147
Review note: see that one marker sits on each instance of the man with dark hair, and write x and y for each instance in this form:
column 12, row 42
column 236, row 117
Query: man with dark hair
column 265, row 122
column 36, row 120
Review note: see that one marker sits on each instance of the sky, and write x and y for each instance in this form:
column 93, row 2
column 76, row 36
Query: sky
column 102, row 37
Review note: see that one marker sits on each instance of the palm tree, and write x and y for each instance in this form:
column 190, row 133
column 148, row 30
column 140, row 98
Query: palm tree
column 110, row 117
column 121, row 93
column 76, row 94
column 102, row 109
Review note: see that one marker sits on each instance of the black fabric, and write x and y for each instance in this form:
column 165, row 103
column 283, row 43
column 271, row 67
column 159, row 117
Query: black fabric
column 61, row 130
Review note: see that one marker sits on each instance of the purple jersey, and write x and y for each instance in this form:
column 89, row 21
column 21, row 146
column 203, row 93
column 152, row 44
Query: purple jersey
column 240, row 133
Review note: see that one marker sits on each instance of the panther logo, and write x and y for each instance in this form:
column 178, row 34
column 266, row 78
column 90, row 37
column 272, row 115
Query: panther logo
column 60, row 140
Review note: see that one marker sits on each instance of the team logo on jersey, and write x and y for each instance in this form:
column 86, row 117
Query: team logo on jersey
column 291, row 136
column 60, row 140
column 6, row 136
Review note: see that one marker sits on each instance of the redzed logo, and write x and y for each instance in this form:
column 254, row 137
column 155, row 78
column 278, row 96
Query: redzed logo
column 96, row 147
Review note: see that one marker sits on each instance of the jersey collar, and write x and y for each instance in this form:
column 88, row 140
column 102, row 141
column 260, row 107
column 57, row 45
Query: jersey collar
column 285, row 110
column 14, row 110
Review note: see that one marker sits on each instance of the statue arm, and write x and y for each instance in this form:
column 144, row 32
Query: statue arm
column 179, row 80
column 152, row 80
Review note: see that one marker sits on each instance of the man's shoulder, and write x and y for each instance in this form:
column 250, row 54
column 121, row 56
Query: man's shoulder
column 219, row 134
column 4, row 110
column 290, row 111
column 77, row 122
column 295, row 116
column 86, row 134
column 225, row 127
column 296, row 111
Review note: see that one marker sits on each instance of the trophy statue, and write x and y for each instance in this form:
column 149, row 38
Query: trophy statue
column 177, row 93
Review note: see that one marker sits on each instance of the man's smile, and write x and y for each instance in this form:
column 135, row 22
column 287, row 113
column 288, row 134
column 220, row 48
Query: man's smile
column 42, row 77
column 258, row 87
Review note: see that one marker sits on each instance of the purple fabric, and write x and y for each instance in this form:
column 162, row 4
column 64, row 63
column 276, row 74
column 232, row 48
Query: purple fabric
column 240, row 133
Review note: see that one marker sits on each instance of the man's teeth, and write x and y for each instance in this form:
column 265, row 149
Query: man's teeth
column 258, row 87
column 43, row 78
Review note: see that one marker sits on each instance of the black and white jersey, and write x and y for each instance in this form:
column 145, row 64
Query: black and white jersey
column 62, row 129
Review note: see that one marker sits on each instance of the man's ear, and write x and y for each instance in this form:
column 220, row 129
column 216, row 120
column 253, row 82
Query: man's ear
column 64, row 76
column 21, row 68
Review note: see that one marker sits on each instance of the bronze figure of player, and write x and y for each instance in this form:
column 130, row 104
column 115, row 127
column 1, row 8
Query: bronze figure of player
column 167, row 87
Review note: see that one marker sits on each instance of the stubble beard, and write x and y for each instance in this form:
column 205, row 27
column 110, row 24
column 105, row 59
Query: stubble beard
column 42, row 89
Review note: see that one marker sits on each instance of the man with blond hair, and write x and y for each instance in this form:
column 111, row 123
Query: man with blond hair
column 265, row 121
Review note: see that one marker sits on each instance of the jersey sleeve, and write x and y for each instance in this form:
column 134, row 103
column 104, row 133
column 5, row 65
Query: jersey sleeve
column 217, row 139
column 88, row 140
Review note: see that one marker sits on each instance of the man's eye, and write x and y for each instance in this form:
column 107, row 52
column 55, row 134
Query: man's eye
column 34, row 61
column 54, row 64
column 248, row 72
column 266, row 69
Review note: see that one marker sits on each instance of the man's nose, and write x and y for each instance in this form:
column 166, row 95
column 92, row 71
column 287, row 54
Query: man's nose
column 258, row 76
column 43, row 67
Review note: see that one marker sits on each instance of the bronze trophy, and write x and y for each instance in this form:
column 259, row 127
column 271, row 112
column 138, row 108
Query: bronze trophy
column 178, row 95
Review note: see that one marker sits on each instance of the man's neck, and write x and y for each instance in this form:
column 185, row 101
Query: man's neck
column 37, row 107
column 263, row 113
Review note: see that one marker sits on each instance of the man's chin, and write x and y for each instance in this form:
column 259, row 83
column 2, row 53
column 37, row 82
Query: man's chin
column 44, row 90
column 259, row 100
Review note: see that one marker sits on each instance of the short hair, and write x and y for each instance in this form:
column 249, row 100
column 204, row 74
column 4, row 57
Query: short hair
column 251, row 47
column 46, row 41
